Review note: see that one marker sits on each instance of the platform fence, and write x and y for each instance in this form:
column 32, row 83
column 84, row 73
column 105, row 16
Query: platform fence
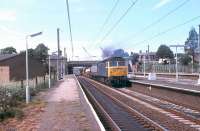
column 168, row 68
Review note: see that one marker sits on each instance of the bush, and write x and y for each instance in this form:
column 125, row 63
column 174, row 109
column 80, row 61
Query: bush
column 7, row 114
column 14, row 112
column 11, row 97
column 185, row 59
column 2, row 116
column 5, row 100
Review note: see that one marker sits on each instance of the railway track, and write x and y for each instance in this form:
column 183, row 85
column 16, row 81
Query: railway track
column 167, row 115
column 115, row 114
column 166, row 105
column 183, row 114
column 182, row 95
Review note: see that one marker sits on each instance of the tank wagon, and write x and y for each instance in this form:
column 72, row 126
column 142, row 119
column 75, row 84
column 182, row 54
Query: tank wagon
column 112, row 71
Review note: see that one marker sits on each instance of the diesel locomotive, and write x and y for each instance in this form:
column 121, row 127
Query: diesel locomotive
column 112, row 71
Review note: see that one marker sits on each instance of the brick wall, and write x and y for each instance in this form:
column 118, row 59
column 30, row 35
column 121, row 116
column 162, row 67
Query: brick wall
column 17, row 67
column 4, row 74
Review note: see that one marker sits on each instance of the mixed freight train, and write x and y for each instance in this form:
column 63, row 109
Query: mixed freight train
column 112, row 71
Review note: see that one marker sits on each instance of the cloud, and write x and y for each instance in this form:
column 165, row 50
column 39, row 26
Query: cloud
column 11, row 31
column 11, row 37
column 8, row 15
column 161, row 3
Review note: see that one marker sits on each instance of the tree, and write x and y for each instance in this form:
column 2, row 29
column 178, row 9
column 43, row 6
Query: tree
column 185, row 59
column 41, row 52
column 9, row 50
column 164, row 52
column 31, row 52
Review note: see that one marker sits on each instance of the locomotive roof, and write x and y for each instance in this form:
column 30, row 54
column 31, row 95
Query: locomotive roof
column 113, row 58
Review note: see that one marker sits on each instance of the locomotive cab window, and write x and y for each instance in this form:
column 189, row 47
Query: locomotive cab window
column 107, row 64
column 121, row 63
column 113, row 63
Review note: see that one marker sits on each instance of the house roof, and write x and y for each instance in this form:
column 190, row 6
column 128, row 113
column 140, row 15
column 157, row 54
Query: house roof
column 7, row 56
column 55, row 57
column 150, row 53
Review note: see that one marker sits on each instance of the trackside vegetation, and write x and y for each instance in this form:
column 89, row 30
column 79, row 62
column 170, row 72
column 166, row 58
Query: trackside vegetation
column 12, row 97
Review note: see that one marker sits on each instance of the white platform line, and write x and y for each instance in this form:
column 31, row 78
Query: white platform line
column 92, row 109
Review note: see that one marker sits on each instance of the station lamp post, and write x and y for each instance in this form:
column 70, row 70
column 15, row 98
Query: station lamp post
column 49, row 71
column 27, row 71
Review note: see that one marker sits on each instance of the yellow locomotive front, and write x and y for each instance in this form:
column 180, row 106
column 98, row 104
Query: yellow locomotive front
column 117, row 68
column 117, row 71
column 113, row 71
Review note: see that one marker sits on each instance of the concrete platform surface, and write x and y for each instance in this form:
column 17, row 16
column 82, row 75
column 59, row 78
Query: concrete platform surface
column 183, row 84
column 68, row 110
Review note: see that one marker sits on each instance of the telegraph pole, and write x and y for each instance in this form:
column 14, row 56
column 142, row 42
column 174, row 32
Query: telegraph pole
column 58, row 56
column 70, row 27
column 64, row 61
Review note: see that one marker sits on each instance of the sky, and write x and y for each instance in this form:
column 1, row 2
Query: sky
column 19, row 18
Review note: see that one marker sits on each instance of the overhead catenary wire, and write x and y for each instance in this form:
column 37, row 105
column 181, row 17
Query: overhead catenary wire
column 106, row 20
column 168, row 30
column 108, row 17
column 70, row 28
column 118, row 21
column 87, row 52
column 157, row 21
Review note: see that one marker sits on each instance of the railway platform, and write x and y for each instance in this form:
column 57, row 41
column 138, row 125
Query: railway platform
column 181, row 84
column 69, row 109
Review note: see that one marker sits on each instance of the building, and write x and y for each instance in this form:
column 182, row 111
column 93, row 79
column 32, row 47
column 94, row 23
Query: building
column 192, row 41
column 192, row 44
column 58, row 64
column 13, row 67
column 151, row 56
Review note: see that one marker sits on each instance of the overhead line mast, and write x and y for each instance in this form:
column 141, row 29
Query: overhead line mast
column 70, row 28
